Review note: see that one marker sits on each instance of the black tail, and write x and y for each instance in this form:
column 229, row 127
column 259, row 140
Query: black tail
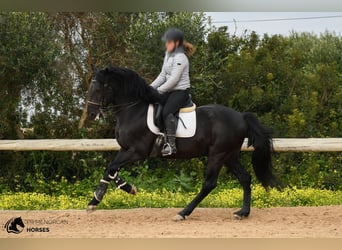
column 260, row 138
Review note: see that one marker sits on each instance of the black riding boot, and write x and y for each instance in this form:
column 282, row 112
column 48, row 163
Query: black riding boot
column 169, row 147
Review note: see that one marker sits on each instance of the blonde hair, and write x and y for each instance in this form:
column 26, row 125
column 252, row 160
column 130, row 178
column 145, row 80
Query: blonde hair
column 189, row 48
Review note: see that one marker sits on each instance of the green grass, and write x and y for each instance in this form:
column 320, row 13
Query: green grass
column 222, row 198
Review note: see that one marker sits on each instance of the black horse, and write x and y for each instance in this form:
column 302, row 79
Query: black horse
column 219, row 135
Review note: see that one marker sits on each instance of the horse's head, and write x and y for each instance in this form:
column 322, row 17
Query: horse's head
column 12, row 225
column 117, row 86
column 19, row 222
column 99, row 94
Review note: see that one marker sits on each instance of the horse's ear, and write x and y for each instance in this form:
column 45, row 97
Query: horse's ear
column 107, row 69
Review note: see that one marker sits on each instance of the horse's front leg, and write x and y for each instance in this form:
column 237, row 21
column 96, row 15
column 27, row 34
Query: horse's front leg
column 112, row 174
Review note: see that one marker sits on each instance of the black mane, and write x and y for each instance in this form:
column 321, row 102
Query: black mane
column 127, row 85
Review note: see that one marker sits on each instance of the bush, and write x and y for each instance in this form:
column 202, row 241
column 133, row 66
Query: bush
column 221, row 198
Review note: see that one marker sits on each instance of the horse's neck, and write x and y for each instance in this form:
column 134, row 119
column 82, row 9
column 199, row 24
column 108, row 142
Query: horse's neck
column 132, row 113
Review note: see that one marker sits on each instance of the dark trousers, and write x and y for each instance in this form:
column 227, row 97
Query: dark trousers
column 173, row 101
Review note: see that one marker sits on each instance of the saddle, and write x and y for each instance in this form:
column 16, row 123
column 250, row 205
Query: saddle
column 189, row 106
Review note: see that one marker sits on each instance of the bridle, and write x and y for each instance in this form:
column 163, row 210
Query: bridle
column 94, row 103
column 120, row 106
column 100, row 109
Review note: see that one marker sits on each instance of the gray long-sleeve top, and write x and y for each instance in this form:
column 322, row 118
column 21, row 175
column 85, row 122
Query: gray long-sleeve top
column 174, row 74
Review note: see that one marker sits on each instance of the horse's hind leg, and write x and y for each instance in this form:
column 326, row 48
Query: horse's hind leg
column 215, row 164
column 245, row 180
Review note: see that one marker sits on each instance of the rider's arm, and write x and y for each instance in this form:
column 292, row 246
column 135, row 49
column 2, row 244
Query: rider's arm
column 178, row 66
column 159, row 80
column 161, row 77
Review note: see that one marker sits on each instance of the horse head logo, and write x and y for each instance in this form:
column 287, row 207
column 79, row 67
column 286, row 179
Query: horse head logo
column 11, row 225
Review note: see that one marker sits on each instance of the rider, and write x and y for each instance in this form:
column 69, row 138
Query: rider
column 174, row 82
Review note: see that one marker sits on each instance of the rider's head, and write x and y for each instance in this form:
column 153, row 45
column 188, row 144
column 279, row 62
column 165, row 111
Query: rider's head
column 173, row 39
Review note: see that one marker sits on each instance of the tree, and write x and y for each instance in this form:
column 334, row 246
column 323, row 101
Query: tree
column 27, row 62
column 91, row 39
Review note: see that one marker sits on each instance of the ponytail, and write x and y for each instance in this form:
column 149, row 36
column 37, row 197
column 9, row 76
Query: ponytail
column 189, row 48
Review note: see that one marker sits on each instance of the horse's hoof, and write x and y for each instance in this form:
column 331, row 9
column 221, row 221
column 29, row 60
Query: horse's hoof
column 178, row 217
column 91, row 208
column 134, row 190
column 238, row 217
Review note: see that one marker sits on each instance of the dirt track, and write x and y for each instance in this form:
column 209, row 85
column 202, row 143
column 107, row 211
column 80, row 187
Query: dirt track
column 203, row 223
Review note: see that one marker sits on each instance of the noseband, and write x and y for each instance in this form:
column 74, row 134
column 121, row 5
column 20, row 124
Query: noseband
column 100, row 109
column 94, row 103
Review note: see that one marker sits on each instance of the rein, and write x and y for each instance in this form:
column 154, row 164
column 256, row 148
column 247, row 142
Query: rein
column 120, row 106
column 125, row 106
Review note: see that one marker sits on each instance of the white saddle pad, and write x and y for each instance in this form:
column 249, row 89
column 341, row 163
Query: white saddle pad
column 189, row 120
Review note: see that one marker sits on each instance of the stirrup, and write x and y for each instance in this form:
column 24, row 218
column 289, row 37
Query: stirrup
column 167, row 149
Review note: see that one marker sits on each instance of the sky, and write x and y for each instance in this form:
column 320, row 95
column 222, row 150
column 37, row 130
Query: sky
column 255, row 21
